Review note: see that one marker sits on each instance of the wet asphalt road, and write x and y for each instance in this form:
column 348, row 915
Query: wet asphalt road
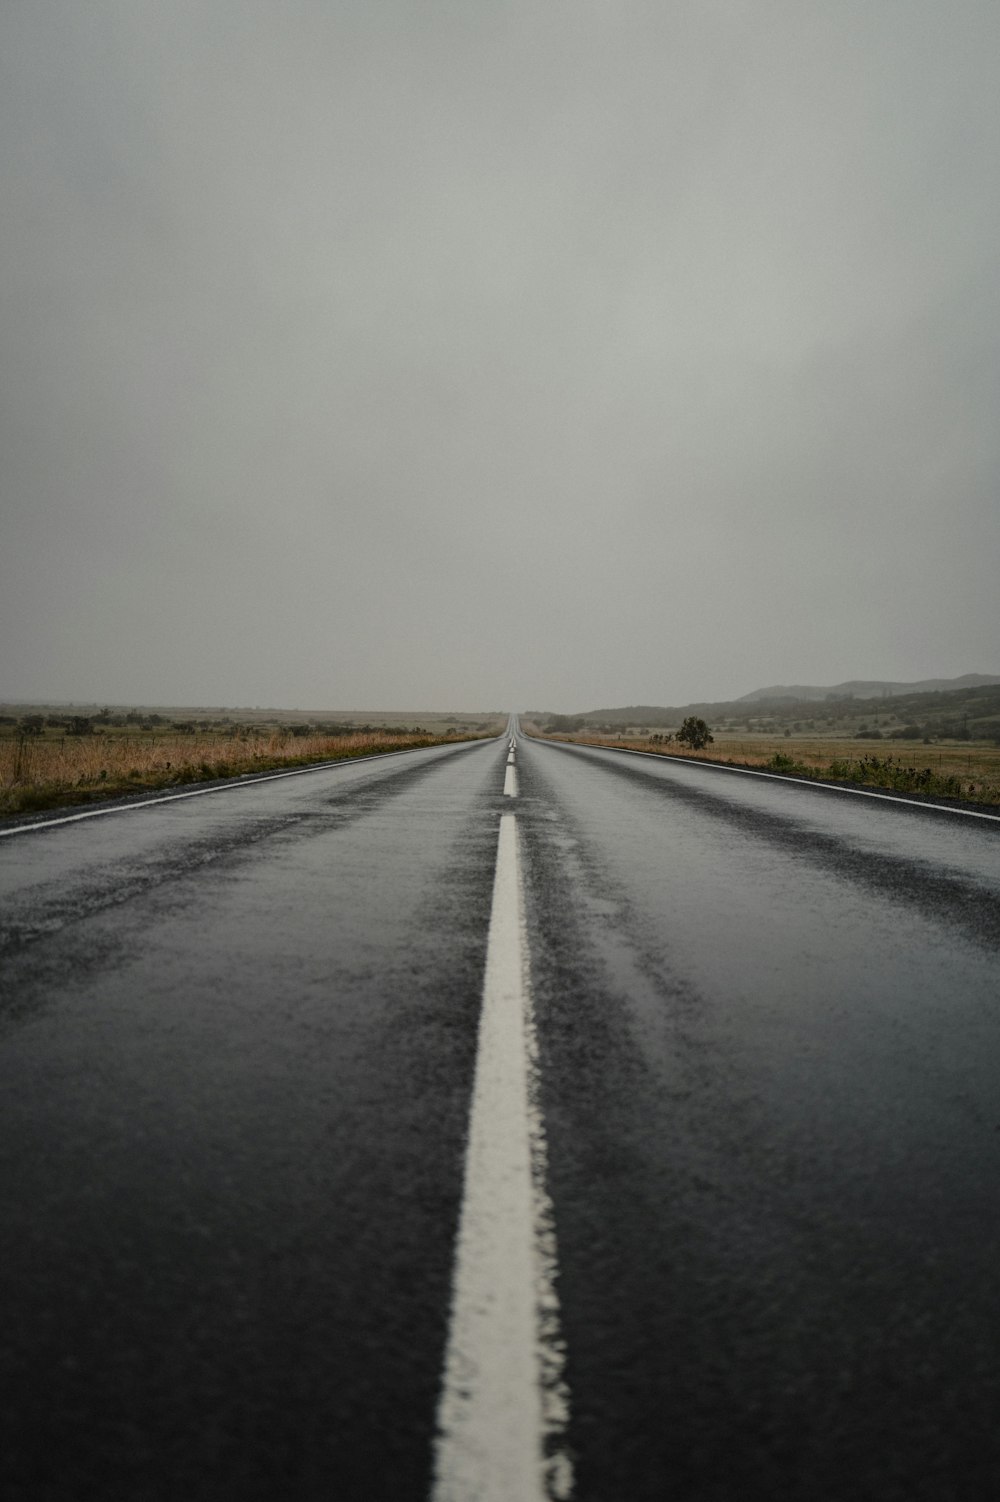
column 237, row 1039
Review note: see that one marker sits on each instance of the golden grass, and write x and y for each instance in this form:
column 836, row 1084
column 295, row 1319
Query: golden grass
column 976, row 765
column 37, row 772
column 966, row 760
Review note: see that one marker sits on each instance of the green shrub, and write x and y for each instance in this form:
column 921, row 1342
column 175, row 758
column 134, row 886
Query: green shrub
column 884, row 772
column 695, row 733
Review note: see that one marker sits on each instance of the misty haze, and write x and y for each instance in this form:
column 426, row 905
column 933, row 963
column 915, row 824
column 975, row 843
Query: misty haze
column 439, row 356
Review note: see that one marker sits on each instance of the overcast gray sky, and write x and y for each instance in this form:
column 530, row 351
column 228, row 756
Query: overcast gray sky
column 556, row 353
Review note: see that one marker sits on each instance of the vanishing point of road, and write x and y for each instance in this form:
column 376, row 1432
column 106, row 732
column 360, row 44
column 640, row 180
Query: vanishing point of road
column 502, row 1121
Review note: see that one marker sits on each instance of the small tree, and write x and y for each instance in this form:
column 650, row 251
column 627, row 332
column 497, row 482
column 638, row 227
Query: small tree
column 695, row 733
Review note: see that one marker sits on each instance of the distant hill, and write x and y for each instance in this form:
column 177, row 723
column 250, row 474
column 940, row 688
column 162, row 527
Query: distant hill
column 966, row 707
column 863, row 688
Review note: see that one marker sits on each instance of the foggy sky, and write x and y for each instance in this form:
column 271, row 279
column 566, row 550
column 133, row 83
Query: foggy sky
column 547, row 353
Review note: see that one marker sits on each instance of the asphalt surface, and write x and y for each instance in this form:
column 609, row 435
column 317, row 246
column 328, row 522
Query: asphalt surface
column 237, row 1041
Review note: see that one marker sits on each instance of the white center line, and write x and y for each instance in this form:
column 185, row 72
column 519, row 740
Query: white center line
column 504, row 1406
column 510, row 782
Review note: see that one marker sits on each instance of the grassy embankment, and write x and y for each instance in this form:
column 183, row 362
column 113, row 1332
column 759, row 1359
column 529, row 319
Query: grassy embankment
column 966, row 770
column 53, row 767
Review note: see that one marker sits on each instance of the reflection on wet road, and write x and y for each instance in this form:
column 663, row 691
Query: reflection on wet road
column 771, row 1052
column 237, row 1045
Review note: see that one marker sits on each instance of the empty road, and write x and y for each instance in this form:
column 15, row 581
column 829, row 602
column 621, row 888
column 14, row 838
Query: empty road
column 332, row 1102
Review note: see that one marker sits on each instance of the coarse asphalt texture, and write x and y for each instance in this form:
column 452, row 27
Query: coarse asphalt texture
column 237, row 1041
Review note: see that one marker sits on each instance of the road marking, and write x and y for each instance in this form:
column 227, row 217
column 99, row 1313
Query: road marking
column 806, row 782
column 221, row 787
column 504, row 1405
column 510, row 782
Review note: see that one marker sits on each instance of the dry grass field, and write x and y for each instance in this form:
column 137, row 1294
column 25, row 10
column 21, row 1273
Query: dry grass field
column 52, row 766
column 967, row 760
column 965, row 769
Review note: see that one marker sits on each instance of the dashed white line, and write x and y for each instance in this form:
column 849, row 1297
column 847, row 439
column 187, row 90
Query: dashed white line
column 504, row 1405
column 510, row 782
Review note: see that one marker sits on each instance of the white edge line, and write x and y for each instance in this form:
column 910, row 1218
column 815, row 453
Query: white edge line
column 225, row 786
column 806, row 782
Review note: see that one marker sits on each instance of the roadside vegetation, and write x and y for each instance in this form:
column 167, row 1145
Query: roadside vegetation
column 941, row 743
column 694, row 734
column 962, row 769
column 54, row 758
